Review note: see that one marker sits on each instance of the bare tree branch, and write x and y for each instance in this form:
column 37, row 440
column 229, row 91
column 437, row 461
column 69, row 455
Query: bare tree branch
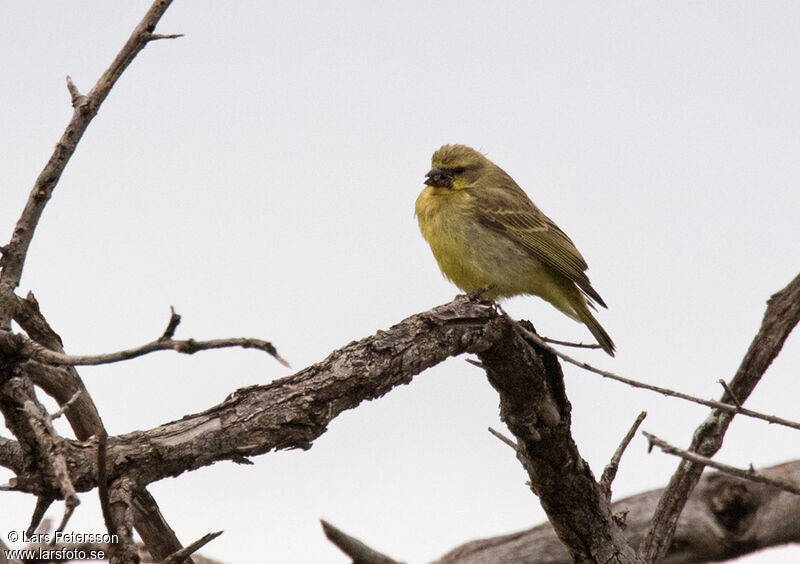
column 290, row 412
column 42, row 450
column 534, row 406
column 10, row 455
column 354, row 548
column 158, row 536
column 43, row 503
column 610, row 471
column 724, row 518
column 120, row 496
column 85, row 108
column 503, row 439
column 181, row 555
column 731, row 395
column 63, row 383
column 174, row 321
column 19, row 345
column 570, row 344
column 102, row 481
column 719, row 405
column 781, row 316
column 63, row 409
column 50, row 442
column 750, row 474
column 158, row 36
column 293, row 411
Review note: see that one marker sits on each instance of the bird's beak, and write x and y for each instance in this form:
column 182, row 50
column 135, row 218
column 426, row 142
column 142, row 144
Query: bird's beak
column 438, row 178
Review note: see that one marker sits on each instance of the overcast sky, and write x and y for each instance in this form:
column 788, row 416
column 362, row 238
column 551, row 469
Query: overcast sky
column 260, row 174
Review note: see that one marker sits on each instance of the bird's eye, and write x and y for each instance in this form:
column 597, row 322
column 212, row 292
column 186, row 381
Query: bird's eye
column 459, row 170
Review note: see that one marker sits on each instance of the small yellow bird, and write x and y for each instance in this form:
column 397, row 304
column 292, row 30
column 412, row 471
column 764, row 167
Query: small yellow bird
column 486, row 234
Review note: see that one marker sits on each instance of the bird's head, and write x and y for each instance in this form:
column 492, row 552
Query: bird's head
column 456, row 167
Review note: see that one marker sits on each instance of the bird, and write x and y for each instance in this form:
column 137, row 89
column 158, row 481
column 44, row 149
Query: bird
column 489, row 237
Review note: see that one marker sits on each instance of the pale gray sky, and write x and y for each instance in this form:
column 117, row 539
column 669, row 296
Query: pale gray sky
column 260, row 175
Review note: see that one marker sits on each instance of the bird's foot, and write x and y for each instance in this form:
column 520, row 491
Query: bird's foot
column 479, row 294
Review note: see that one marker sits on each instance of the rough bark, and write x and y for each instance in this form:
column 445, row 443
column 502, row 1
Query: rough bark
column 534, row 405
column 780, row 318
column 292, row 412
column 725, row 517
column 84, row 418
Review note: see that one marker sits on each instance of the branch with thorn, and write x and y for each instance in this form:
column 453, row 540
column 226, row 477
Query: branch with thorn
column 354, row 548
column 503, row 439
column 610, row 471
column 571, row 344
column 181, row 555
column 749, row 474
column 780, row 318
column 28, row 348
column 658, row 389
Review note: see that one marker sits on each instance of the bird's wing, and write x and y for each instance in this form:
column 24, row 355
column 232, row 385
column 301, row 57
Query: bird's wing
column 514, row 215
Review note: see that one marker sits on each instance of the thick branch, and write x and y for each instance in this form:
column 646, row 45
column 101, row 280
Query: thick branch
column 293, row 411
column 50, row 443
column 534, row 405
column 782, row 315
column 121, row 503
column 63, row 383
column 724, row 518
column 17, row 401
column 10, row 455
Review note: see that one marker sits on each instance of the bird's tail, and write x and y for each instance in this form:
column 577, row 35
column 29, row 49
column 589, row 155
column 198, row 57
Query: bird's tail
column 585, row 316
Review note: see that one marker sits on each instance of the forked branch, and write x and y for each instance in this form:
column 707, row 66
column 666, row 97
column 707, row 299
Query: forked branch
column 85, row 108
column 18, row 344
column 780, row 318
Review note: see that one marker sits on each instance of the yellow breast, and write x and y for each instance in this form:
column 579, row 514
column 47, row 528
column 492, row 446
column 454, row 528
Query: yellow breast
column 469, row 254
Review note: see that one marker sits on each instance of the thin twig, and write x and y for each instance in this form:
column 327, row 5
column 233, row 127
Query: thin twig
column 733, row 397
column 174, row 321
column 35, row 351
column 748, row 474
column 16, row 250
column 610, row 471
column 474, row 362
column 571, row 344
column 63, row 409
column 158, row 536
column 354, row 548
column 663, row 391
column 77, row 98
column 157, row 36
column 780, row 318
column 184, row 553
column 504, row 439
